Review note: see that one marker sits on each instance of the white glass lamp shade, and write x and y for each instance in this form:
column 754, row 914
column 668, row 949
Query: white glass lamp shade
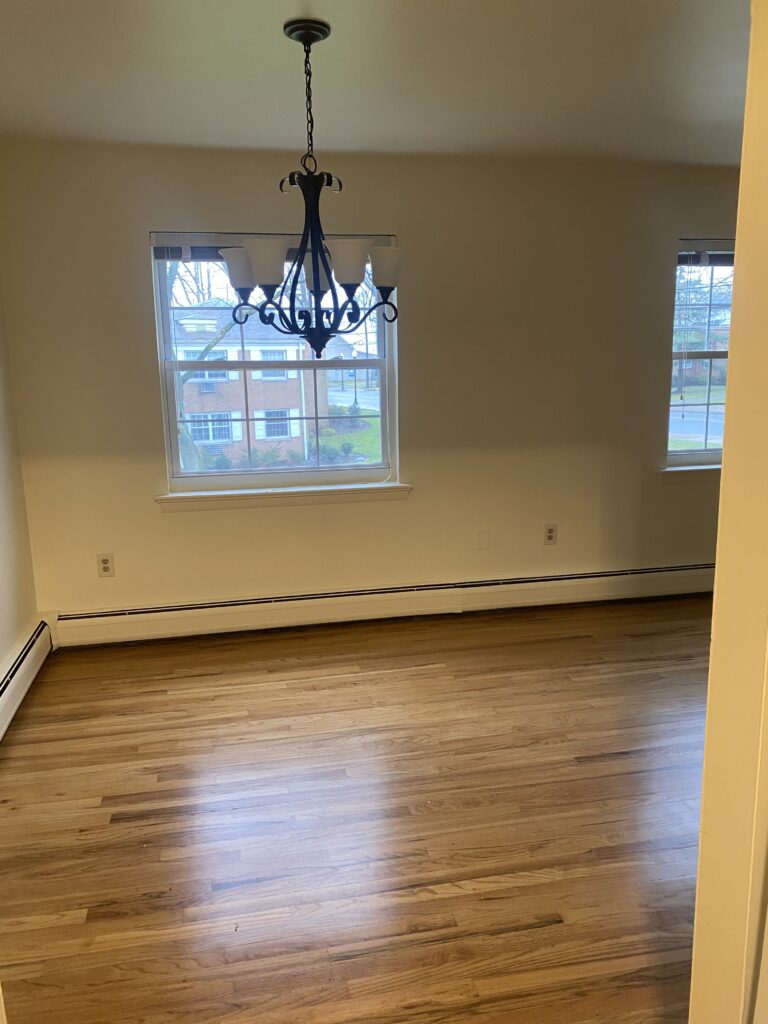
column 349, row 257
column 238, row 268
column 267, row 256
column 324, row 282
column 385, row 266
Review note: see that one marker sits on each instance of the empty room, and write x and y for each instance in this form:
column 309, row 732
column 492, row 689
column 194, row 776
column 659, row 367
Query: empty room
column 383, row 503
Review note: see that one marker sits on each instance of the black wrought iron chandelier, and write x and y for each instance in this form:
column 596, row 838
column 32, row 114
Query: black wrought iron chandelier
column 334, row 270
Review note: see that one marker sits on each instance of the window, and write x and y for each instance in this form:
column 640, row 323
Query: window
column 250, row 408
column 701, row 332
column 277, row 423
column 212, row 427
column 275, row 355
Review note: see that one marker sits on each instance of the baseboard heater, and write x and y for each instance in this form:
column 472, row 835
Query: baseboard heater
column 115, row 624
column 21, row 674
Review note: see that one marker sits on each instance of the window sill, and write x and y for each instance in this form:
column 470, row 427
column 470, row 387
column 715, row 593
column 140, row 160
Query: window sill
column 711, row 467
column 198, row 501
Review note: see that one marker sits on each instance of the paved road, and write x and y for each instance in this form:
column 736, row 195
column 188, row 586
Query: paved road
column 367, row 398
column 688, row 424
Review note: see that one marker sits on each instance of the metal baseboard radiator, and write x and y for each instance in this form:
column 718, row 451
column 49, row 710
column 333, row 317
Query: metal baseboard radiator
column 21, row 673
column 611, row 574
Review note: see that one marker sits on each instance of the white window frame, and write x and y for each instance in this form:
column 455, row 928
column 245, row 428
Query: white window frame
column 303, row 479
column 708, row 457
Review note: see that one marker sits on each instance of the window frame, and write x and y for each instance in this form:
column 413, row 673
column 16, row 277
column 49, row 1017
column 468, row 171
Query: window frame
column 695, row 457
column 256, row 481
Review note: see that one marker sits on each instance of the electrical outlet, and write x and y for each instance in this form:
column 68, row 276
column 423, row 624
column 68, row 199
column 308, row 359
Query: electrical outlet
column 482, row 538
column 105, row 564
column 550, row 533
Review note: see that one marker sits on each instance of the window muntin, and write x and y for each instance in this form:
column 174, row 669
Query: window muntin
column 273, row 416
column 701, row 330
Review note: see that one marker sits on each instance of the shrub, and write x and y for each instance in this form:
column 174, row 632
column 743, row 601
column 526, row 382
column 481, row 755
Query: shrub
column 330, row 455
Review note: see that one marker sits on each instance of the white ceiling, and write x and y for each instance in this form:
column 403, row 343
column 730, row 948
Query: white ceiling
column 654, row 79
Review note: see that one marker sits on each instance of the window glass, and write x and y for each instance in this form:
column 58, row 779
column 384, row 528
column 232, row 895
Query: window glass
column 700, row 338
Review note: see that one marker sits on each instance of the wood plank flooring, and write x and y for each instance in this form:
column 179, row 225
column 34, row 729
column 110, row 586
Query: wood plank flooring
column 488, row 819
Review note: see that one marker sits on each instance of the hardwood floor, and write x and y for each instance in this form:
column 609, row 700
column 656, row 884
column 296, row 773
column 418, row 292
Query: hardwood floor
column 490, row 819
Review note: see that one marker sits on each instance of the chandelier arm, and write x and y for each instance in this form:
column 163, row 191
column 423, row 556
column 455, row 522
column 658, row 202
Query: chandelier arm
column 286, row 280
column 241, row 317
column 304, row 317
column 349, row 308
column 267, row 317
column 385, row 307
column 298, row 262
column 334, row 315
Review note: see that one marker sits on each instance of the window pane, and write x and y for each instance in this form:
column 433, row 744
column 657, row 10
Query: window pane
column 350, row 441
column 722, row 285
column 690, row 381
column 256, row 334
column 687, row 427
column 692, row 317
column 198, row 283
column 693, row 284
column 339, row 392
column 719, row 376
column 715, row 426
column 196, row 392
column 719, row 338
column 212, row 442
column 349, row 392
column 280, row 389
column 198, row 330
column 282, row 443
column 689, row 340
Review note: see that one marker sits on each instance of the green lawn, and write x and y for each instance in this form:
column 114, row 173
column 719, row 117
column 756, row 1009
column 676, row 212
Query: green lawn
column 680, row 444
column 365, row 441
column 696, row 394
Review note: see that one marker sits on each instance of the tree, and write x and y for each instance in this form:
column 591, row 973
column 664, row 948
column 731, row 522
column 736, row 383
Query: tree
column 193, row 284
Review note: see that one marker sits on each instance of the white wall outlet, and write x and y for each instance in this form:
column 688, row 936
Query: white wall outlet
column 550, row 533
column 105, row 564
column 482, row 538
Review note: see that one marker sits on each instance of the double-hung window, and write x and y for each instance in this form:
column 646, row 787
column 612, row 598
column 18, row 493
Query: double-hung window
column 249, row 408
column 704, row 287
column 211, row 427
column 277, row 423
column 274, row 355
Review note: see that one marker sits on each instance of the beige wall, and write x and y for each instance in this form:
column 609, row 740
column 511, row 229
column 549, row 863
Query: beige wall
column 539, row 407
column 734, row 836
column 18, row 610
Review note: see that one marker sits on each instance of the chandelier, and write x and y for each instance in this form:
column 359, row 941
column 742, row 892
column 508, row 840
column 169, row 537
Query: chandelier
column 333, row 270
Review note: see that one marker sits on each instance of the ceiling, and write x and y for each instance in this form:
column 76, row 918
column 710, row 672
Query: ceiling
column 649, row 79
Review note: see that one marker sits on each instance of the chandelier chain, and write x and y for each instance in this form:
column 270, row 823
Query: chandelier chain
column 308, row 161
